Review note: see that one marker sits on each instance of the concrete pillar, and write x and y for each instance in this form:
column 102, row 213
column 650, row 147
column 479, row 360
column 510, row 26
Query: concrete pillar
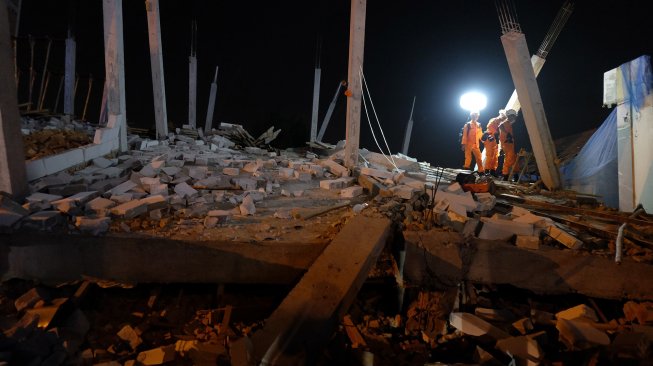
column 409, row 130
column 192, row 91
column 13, row 178
column 209, row 110
column 537, row 63
column 329, row 112
column 316, row 102
column 521, row 69
column 114, row 64
column 156, row 60
column 69, row 77
column 356, row 46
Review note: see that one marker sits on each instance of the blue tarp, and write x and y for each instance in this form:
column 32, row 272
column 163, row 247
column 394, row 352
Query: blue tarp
column 594, row 169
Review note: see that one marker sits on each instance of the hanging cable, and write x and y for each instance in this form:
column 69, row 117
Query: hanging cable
column 364, row 83
column 370, row 123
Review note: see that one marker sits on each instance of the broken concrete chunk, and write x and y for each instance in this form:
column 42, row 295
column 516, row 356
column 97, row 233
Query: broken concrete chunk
column 130, row 209
column 351, row 192
column 43, row 197
column 42, row 220
column 184, row 190
column 475, row 326
column 524, row 325
column 580, row 335
column 331, row 184
column 581, row 311
column 335, row 168
column 528, row 242
column 499, row 229
column 128, row 334
column 247, row 207
column 523, row 348
column 230, row 171
column 377, row 173
column 122, row 188
column 93, row 226
column 157, row 356
column 29, row 298
column 564, row 238
column 640, row 312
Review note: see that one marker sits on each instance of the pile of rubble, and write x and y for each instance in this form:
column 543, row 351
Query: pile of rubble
column 474, row 324
column 43, row 137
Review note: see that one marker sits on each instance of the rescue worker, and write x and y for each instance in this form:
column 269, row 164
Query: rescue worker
column 507, row 140
column 491, row 141
column 471, row 141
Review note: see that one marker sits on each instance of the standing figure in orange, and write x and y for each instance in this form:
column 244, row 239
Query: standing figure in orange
column 507, row 140
column 471, row 141
column 491, row 142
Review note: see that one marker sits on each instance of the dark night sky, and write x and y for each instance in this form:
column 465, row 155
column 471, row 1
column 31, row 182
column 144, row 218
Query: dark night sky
column 436, row 50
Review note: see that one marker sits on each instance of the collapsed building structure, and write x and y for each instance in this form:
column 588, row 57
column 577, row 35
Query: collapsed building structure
column 219, row 206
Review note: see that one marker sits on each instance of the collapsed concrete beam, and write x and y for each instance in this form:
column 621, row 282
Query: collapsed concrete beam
column 303, row 322
column 523, row 76
column 56, row 259
column 545, row 271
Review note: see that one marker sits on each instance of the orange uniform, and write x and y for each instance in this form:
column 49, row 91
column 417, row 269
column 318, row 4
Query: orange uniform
column 492, row 144
column 472, row 134
column 507, row 140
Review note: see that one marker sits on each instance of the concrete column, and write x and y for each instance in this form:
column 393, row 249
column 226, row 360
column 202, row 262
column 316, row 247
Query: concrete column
column 521, row 69
column 114, row 64
column 192, row 91
column 329, row 112
column 356, row 46
column 409, row 130
column 156, row 60
column 537, row 63
column 69, row 77
column 209, row 110
column 13, row 178
column 316, row 103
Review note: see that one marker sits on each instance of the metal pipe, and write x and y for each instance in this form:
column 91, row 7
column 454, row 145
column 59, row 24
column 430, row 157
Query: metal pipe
column 619, row 243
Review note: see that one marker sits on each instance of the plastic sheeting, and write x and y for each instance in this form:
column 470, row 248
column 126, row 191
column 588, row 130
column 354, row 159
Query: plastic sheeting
column 616, row 163
column 594, row 169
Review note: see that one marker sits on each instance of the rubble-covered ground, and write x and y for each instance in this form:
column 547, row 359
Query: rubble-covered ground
column 49, row 136
column 227, row 185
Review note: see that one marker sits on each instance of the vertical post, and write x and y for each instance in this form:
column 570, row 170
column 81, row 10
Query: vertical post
column 114, row 65
column 316, row 102
column 329, row 112
column 523, row 76
column 192, row 81
column 356, row 45
column 192, row 91
column 69, row 76
column 209, row 110
column 44, row 91
column 156, row 60
column 31, row 73
column 13, row 178
column 409, row 130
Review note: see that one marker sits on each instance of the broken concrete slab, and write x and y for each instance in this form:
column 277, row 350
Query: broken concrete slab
column 580, row 335
column 475, row 326
column 307, row 315
column 549, row 271
column 92, row 226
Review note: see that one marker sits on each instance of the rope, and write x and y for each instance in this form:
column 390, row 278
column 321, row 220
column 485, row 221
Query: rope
column 363, row 88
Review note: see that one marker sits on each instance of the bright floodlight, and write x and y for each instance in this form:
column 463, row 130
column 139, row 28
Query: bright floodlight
column 473, row 101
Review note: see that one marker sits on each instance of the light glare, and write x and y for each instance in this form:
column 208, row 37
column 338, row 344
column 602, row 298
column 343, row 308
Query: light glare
column 473, row 101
